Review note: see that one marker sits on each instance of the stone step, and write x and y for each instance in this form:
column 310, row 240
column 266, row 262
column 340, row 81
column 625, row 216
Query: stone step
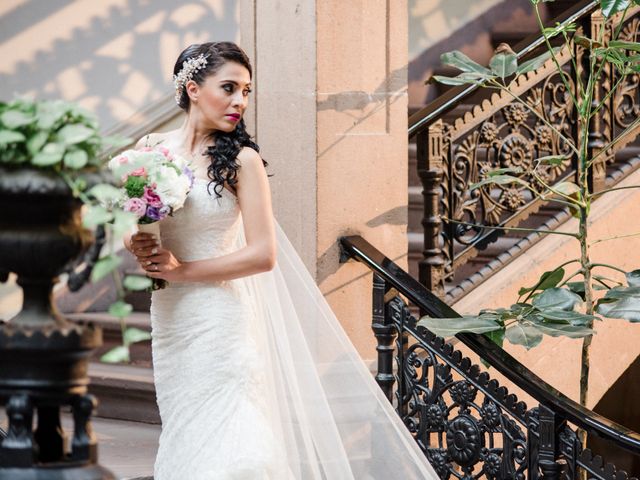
column 126, row 392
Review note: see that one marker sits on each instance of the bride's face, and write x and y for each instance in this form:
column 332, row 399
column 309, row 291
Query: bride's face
column 223, row 97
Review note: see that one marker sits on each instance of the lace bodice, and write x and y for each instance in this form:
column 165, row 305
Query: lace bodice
column 205, row 227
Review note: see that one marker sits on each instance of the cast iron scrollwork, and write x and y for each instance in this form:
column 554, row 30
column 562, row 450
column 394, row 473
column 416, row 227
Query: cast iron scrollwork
column 512, row 138
column 627, row 96
column 467, row 425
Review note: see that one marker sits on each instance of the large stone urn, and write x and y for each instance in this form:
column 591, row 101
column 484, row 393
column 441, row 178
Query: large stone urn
column 43, row 357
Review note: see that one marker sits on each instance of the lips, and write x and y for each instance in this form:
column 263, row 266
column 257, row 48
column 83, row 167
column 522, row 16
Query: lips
column 233, row 116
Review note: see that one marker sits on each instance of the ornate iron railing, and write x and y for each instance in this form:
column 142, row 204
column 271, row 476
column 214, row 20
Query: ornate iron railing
column 467, row 424
column 457, row 150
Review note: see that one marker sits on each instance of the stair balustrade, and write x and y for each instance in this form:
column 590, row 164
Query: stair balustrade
column 470, row 131
column 465, row 422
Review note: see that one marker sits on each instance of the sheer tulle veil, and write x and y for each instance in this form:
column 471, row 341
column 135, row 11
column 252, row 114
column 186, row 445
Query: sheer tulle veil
column 329, row 417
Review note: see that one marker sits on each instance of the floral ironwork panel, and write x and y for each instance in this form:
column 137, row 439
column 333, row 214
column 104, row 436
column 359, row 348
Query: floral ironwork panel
column 512, row 139
column 626, row 100
column 467, row 424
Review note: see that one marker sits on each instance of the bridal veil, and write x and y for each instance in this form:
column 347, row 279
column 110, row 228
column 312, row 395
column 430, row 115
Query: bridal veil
column 330, row 418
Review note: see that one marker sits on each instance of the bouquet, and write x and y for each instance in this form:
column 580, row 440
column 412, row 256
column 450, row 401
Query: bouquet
column 155, row 183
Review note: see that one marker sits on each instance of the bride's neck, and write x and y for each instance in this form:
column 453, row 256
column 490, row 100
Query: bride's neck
column 192, row 136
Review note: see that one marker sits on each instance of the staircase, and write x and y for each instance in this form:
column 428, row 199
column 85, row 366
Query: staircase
column 489, row 257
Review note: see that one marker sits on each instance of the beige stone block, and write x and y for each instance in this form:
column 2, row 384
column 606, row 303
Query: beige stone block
column 617, row 342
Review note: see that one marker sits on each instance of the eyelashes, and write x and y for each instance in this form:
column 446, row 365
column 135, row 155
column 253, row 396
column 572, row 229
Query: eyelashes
column 230, row 87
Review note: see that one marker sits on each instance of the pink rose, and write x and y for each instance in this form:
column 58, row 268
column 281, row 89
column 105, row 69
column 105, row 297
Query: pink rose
column 122, row 159
column 152, row 198
column 139, row 172
column 146, row 149
column 165, row 151
column 135, row 205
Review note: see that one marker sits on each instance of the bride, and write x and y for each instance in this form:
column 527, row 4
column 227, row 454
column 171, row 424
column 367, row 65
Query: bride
column 255, row 377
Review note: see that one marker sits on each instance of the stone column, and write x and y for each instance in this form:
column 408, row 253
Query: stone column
column 331, row 117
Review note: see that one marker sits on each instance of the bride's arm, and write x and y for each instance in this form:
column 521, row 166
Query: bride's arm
column 259, row 254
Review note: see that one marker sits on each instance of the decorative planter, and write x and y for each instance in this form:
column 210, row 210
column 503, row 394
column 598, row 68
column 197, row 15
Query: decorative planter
column 44, row 357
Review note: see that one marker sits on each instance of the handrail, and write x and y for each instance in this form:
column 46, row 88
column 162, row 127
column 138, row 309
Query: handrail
column 446, row 102
column 359, row 249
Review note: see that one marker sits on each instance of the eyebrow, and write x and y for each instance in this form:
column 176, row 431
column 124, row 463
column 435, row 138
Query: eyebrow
column 234, row 82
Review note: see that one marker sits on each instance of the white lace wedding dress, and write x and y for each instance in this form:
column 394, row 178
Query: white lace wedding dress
column 255, row 377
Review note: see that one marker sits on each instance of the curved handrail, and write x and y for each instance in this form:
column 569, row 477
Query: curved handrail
column 359, row 249
column 446, row 102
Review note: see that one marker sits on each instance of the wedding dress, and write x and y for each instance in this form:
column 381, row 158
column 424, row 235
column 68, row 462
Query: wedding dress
column 255, row 377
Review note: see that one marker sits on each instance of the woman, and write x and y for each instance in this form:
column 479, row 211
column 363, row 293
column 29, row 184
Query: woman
column 255, row 378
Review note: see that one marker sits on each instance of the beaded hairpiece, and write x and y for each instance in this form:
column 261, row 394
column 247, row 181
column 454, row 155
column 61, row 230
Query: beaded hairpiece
column 189, row 66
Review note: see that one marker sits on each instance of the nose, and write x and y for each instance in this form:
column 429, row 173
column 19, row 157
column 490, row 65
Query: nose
column 238, row 100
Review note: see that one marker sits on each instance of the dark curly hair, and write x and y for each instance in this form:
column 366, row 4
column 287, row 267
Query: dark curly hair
column 227, row 145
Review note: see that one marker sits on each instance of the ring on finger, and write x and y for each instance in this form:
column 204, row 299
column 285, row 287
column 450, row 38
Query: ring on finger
column 149, row 262
column 154, row 250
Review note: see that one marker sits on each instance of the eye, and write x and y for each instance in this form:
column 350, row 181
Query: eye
column 228, row 87
column 247, row 92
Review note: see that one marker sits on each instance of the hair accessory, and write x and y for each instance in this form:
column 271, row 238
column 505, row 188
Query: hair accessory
column 189, row 66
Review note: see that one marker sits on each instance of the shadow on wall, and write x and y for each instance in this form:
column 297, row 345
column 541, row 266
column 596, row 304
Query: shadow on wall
column 114, row 57
column 620, row 404
column 455, row 27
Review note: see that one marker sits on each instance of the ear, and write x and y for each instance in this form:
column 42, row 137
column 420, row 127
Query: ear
column 193, row 90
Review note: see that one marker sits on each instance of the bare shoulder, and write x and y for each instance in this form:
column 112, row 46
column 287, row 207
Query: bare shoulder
column 152, row 139
column 249, row 158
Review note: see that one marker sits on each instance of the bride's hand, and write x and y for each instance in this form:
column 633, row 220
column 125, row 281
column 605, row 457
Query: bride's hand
column 156, row 261
column 163, row 265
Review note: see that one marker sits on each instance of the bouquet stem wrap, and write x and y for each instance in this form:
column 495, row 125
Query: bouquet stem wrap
column 152, row 228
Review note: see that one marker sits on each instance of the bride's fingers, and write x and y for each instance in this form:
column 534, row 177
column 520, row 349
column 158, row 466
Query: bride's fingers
column 147, row 252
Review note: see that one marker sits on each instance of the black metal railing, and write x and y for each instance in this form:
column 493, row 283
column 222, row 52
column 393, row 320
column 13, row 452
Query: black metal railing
column 457, row 148
column 467, row 424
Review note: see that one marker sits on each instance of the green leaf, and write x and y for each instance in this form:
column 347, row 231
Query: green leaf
column 498, row 180
column 523, row 334
column 48, row 113
column 551, row 160
column 116, row 355
column 448, row 327
column 536, row 63
column 622, row 292
column 627, row 308
column 461, row 61
column 134, row 335
column 556, row 298
column 76, row 159
column 9, row 136
column 15, row 119
column 104, row 266
column 611, row 7
column 74, row 133
column 547, row 280
column 137, row 283
column 633, row 278
column 123, row 222
column 50, row 155
column 496, row 336
column 120, row 309
column 104, row 192
column 562, row 330
column 501, row 171
column 567, row 317
column 37, row 141
column 504, row 64
column 462, row 79
column 96, row 215
column 633, row 46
